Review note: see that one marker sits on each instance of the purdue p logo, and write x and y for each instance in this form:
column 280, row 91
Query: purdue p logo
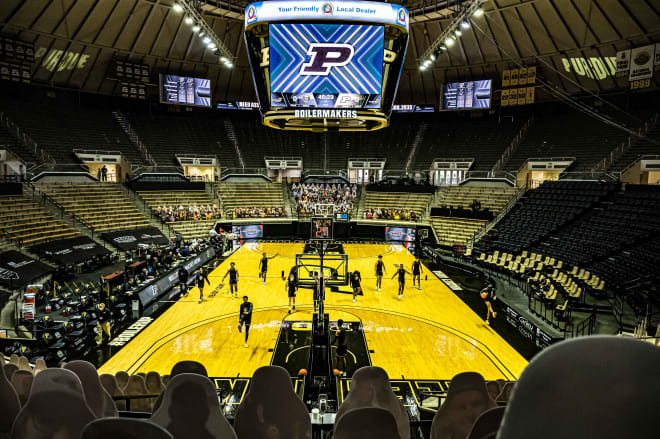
column 324, row 56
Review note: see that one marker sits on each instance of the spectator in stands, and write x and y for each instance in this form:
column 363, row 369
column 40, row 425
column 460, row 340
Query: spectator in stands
column 307, row 196
column 104, row 173
column 391, row 214
column 191, row 213
column 103, row 324
column 258, row 212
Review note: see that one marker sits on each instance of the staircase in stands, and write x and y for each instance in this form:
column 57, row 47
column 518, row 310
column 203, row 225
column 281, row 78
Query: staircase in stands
column 231, row 134
column 413, row 150
column 133, row 136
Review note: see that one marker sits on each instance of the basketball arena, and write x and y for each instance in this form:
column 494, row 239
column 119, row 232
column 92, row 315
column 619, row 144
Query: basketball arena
column 305, row 219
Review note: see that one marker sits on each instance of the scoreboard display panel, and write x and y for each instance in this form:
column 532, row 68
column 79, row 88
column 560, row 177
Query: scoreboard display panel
column 184, row 90
column 467, row 95
column 321, row 66
column 326, row 65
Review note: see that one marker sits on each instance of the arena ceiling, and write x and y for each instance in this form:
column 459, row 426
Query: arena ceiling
column 77, row 41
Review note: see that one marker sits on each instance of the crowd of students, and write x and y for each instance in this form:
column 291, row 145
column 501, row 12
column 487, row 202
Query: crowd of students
column 307, row 196
column 391, row 214
column 258, row 212
column 193, row 212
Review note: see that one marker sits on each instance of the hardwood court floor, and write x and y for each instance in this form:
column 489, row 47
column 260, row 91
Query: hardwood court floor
column 429, row 334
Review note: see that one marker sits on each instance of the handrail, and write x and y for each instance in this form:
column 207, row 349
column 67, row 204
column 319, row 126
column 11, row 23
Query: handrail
column 618, row 151
column 507, row 207
column 511, row 149
column 26, row 140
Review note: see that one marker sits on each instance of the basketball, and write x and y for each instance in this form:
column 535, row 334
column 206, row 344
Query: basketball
column 484, row 295
column 302, row 372
column 336, row 372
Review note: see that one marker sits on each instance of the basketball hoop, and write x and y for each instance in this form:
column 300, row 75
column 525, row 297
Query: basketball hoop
column 324, row 210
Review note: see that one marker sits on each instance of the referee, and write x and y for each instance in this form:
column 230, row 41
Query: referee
column 245, row 317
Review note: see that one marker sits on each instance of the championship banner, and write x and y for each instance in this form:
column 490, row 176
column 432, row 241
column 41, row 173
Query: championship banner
column 656, row 63
column 506, row 78
column 135, row 238
column 641, row 63
column 514, row 77
column 530, row 95
column 505, row 98
column 522, row 76
column 70, row 251
column 622, row 62
column 522, row 96
column 531, row 75
column 17, row 270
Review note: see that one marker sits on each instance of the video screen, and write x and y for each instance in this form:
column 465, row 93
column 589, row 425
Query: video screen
column 326, row 65
column 400, row 234
column 185, row 90
column 466, row 95
column 247, row 233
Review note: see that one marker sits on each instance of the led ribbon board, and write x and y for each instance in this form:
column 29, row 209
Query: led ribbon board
column 384, row 13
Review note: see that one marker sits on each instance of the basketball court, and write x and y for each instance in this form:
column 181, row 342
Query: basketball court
column 428, row 334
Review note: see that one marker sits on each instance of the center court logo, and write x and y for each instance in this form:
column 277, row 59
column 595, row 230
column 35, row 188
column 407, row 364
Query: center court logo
column 327, row 8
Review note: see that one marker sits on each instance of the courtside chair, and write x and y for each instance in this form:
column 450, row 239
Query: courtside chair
column 136, row 387
column 185, row 366
column 487, row 424
column 22, row 383
column 366, row 423
column 98, row 399
column 467, row 388
column 371, row 387
column 271, row 408
column 608, row 388
column 56, row 408
column 190, row 409
column 10, row 405
column 110, row 384
column 122, row 379
column 124, row 428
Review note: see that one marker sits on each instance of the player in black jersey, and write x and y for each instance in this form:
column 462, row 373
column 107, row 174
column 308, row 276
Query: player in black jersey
column 380, row 269
column 291, row 286
column 416, row 273
column 233, row 279
column 355, row 284
column 402, row 279
column 342, row 349
column 245, row 317
column 263, row 266
column 488, row 294
column 201, row 277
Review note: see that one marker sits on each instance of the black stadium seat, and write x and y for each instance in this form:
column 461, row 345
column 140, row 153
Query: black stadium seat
column 124, row 428
column 564, row 392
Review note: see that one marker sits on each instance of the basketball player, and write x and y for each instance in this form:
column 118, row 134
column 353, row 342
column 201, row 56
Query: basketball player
column 291, row 286
column 416, row 273
column 263, row 266
column 355, row 284
column 402, row 279
column 380, row 269
column 488, row 294
column 245, row 318
column 201, row 277
column 342, row 349
column 233, row 279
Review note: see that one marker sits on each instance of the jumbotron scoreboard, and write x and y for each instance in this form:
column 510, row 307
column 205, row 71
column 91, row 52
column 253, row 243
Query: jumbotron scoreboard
column 322, row 66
